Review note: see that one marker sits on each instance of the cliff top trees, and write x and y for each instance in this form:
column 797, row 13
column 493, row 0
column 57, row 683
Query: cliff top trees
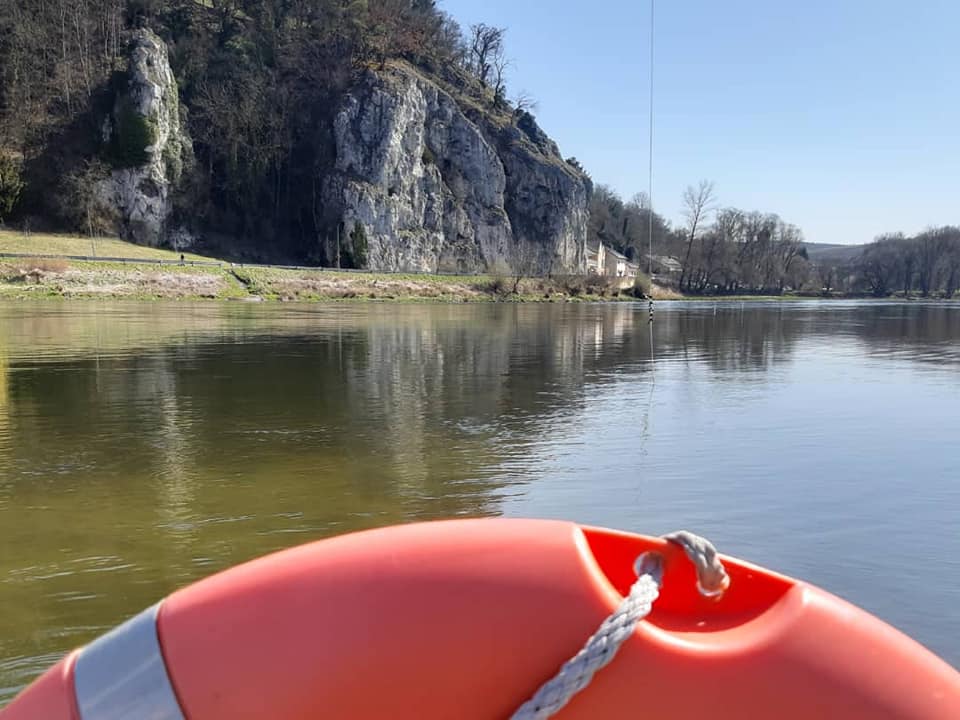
column 486, row 51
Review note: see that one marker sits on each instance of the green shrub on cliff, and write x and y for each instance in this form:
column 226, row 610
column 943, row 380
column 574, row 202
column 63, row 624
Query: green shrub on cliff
column 358, row 239
column 132, row 135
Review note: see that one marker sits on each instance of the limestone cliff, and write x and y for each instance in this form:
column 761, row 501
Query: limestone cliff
column 146, row 111
column 429, row 182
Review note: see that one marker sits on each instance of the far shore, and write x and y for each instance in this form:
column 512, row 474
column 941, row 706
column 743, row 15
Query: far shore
column 113, row 269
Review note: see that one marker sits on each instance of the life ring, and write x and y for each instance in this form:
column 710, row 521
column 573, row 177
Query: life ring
column 466, row 619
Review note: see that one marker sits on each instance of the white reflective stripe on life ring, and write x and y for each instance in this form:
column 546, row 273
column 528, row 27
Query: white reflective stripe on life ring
column 122, row 675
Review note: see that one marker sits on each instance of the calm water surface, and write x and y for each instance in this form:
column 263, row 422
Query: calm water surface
column 143, row 446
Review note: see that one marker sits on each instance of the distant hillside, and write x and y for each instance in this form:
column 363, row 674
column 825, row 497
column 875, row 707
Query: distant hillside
column 832, row 254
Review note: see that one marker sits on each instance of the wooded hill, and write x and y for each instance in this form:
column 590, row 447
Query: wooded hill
column 259, row 81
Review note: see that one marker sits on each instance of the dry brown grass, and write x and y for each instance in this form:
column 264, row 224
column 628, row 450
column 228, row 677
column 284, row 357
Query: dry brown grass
column 312, row 286
column 44, row 265
column 589, row 285
column 496, row 285
column 59, row 279
column 659, row 292
column 35, row 270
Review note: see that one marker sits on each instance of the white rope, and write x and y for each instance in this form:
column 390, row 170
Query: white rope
column 712, row 578
column 600, row 649
column 604, row 644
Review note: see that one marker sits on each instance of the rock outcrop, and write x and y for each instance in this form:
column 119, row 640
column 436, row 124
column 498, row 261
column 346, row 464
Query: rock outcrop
column 150, row 146
column 424, row 182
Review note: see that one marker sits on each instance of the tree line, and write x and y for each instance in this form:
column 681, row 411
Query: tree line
column 718, row 250
column 927, row 264
column 725, row 250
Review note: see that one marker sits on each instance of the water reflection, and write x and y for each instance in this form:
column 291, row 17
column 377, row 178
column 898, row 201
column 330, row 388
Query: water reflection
column 144, row 446
column 4, row 415
column 147, row 446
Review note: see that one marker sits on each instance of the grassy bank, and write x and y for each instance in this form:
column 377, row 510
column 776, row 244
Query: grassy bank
column 35, row 278
column 47, row 244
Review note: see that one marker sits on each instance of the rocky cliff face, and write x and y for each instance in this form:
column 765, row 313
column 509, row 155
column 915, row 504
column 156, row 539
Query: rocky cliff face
column 148, row 109
column 427, row 183
column 424, row 180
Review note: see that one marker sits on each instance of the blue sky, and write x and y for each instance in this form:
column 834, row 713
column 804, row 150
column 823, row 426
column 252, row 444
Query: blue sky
column 842, row 116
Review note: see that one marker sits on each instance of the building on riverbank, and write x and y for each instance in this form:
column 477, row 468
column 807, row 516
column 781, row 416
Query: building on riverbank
column 619, row 265
column 665, row 268
column 607, row 262
column 595, row 258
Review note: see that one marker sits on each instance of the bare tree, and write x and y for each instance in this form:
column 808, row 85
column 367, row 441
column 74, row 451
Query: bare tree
column 880, row 264
column 697, row 202
column 907, row 251
column 640, row 200
column 788, row 252
column 500, row 65
column 951, row 262
column 931, row 246
column 524, row 265
column 828, row 278
column 450, row 40
column 730, row 227
column 486, row 47
column 525, row 102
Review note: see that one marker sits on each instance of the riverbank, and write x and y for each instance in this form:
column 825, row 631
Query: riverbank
column 70, row 267
column 81, row 268
column 55, row 278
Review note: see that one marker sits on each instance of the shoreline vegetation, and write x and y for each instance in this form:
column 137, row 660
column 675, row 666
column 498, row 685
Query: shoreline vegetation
column 129, row 271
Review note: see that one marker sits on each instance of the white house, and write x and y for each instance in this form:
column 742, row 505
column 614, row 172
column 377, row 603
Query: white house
column 605, row 261
column 596, row 257
column 617, row 265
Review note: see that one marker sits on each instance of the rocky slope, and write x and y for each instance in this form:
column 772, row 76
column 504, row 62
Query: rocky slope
column 141, row 194
column 428, row 182
column 423, row 180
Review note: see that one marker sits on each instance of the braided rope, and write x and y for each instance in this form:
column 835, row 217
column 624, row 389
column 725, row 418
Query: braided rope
column 603, row 645
column 600, row 649
column 712, row 578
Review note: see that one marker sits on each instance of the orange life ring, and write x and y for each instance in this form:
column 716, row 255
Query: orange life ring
column 466, row 619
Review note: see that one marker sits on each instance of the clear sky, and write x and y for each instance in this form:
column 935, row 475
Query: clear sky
column 842, row 116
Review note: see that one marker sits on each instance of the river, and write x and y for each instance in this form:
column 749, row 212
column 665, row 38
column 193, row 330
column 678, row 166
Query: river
column 144, row 446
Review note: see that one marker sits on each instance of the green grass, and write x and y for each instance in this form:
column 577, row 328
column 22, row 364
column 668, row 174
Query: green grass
column 49, row 244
